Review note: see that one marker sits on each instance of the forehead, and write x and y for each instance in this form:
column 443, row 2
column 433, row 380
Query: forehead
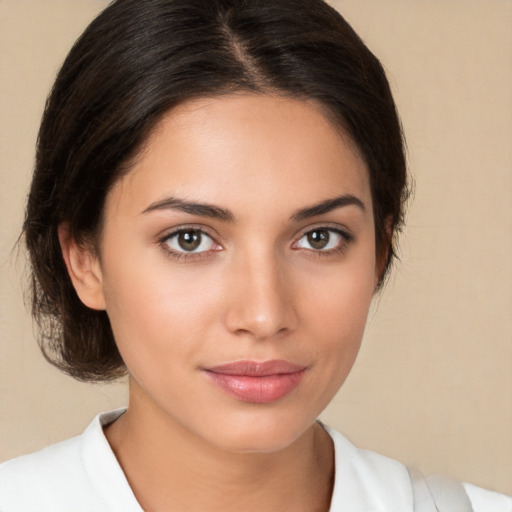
column 246, row 149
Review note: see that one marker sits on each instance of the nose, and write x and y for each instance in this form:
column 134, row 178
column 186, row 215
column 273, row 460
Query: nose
column 261, row 300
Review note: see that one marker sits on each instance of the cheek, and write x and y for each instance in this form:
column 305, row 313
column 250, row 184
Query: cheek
column 338, row 306
column 334, row 309
column 341, row 297
column 156, row 315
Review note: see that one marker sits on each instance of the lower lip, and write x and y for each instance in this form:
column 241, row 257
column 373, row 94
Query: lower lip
column 260, row 390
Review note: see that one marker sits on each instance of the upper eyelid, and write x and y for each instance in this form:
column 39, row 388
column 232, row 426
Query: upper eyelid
column 330, row 227
column 169, row 232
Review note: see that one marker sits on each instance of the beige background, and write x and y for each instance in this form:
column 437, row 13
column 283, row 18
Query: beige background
column 433, row 384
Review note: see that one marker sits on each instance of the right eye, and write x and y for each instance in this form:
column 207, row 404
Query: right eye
column 323, row 240
column 189, row 241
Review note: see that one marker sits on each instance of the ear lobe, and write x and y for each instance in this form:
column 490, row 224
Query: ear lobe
column 84, row 270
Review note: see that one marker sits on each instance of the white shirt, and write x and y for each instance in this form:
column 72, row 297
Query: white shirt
column 82, row 475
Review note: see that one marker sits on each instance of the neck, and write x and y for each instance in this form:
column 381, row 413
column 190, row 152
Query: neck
column 170, row 468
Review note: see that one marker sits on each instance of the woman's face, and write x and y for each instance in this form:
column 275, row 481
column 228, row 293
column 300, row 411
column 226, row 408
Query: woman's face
column 237, row 268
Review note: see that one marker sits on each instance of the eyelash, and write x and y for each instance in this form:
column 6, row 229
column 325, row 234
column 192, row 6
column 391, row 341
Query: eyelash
column 346, row 240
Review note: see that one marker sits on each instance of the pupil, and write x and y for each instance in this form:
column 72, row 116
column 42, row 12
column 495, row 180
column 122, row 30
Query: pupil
column 318, row 238
column 189, row 240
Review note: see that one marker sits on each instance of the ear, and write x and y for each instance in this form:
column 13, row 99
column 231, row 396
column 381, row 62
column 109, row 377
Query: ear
column 83, row 268
column 383, row 258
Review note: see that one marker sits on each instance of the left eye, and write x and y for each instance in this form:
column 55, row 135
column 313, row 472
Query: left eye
column 189, row 241
column 321, row 239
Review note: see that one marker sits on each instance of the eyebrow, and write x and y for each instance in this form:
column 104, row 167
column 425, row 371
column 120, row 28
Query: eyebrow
column 202, row 209
column 327, row 206
column 215, row 212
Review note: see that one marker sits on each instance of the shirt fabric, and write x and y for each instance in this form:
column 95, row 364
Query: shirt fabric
column 82, row 474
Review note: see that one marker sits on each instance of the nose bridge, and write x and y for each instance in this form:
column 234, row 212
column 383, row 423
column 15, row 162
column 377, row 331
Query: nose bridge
column 260, row 303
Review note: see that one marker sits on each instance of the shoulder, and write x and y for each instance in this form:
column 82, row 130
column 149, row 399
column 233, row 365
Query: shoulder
column 36, row 479
column 365, row 480
column 484, row 500
column 67, row 476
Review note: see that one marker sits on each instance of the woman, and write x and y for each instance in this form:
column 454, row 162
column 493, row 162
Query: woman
column 217, row 190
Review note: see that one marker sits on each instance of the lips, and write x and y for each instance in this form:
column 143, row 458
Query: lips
column 257, row 382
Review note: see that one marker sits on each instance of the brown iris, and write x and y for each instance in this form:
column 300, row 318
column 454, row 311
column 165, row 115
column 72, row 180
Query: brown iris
column 319, row 238
column 189, row 240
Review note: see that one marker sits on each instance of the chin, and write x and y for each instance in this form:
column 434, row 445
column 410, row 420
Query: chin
column 260, row 433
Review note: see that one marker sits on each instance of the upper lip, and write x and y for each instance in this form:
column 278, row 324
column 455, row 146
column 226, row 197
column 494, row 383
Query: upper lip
column 257, row 368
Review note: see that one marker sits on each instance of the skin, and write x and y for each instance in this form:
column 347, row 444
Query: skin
column 257, row 290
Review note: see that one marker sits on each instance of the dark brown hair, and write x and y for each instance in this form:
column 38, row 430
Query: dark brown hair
column 140, row 58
